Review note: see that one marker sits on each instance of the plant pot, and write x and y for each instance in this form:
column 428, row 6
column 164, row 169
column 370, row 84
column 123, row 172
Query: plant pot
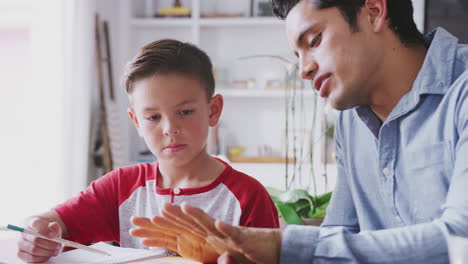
column 312, row 221
column 307, row 221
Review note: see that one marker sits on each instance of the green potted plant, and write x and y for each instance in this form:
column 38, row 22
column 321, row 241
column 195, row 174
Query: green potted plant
column 298, row 207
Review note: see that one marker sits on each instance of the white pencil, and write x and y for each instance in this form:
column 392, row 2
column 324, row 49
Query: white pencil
column 58, row 240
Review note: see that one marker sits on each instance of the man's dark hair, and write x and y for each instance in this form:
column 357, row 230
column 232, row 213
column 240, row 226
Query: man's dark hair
column 167, row 56
column 399, row 14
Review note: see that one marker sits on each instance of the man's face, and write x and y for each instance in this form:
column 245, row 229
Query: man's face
column 339, row 61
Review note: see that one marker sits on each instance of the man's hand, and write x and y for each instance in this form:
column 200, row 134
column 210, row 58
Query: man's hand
column 161, row 233
column 239, row 244
column 35, row 249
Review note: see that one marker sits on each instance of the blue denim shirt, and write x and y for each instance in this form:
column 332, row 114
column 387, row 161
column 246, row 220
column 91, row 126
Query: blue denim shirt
column 402, row 185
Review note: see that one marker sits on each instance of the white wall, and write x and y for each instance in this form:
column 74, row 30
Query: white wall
column 31, row 108
column 418, row 6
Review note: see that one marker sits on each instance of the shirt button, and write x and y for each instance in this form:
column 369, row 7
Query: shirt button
column 387, row 172
column 176, row 190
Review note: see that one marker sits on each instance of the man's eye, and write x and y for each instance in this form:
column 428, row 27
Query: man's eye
column 316, row 40
column 186, row 112
column 154, row 117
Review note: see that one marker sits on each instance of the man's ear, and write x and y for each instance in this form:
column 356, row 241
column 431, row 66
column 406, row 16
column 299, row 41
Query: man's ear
column 216, row 107
column 376, row 11
column 133, row 117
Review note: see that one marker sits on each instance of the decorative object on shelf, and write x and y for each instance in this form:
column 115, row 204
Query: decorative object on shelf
column 177, row 4
column 102, row 149
column 235, row 151
column 212, row 141
column 177, row 10
column 250, row 83
column 146, row 156
column 264, row 9
column 264, row 150
column 215, row 13
column 220, row 15
column 273, row 84
column 239, row 84
column 108, row 152
column 221, row 76
column 265, row 155
column 217, row 141
column 265, row 71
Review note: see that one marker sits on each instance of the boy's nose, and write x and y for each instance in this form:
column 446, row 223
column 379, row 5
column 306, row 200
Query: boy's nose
column 171, row 129
column 172, row 132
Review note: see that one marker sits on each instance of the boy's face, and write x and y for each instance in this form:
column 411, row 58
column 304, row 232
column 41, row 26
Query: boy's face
column 339, row 62
column 172, row 114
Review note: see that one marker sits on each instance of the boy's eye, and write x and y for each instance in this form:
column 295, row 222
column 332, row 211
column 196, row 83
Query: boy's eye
column 154, row 117
column 316, row 41
column 186, row 112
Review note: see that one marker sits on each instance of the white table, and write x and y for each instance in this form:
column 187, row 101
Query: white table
column 9, row 249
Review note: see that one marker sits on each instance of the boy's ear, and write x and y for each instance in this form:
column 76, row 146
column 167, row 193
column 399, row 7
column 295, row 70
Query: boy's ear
column 216, row 107
column 133, row 117
column 376, row 11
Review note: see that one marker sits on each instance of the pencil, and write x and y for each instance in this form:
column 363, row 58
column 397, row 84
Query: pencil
column 62, row 241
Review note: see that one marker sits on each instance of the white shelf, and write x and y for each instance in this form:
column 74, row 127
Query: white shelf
column 259, row 93
column 161, row 22
column 240, row 21
column 205, row 22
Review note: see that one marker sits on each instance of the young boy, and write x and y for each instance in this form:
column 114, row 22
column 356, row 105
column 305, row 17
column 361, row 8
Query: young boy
column 170, row 86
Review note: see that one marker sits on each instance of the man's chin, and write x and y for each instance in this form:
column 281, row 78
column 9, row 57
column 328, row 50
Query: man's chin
column 339, row 105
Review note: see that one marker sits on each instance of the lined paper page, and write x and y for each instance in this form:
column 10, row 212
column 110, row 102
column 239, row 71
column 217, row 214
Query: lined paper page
column 118, row 255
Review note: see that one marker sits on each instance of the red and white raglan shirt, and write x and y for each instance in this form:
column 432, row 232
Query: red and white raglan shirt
column 102, row 212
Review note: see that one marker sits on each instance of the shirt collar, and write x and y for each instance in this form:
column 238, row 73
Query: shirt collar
column 435, row 76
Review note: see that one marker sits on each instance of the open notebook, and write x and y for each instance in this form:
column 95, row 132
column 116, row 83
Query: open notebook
column 118, row 255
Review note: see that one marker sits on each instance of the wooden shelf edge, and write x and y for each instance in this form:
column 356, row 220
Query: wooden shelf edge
column 267, row 159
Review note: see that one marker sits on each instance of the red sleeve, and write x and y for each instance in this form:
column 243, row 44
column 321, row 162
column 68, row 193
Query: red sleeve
column 258, row 210
column 93, row 215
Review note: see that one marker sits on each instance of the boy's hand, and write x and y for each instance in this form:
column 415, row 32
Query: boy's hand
column 35, row 249
column 161, row 233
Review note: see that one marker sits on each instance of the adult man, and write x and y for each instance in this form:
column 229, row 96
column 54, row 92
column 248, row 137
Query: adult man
column 400, row 140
